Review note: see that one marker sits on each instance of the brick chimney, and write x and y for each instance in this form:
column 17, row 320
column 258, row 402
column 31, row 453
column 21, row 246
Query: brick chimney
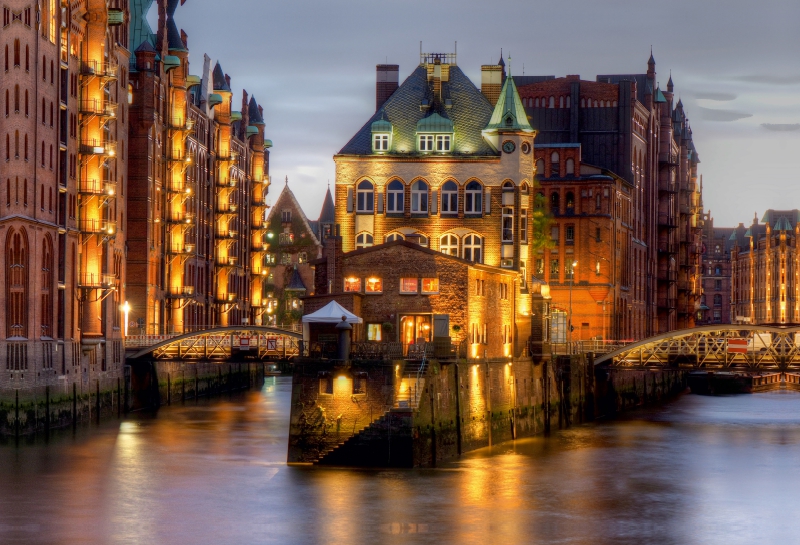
column 491, row 81
column 388, row 79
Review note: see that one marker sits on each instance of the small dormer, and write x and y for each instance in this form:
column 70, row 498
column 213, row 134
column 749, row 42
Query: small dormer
column 435, row 134
column 381, row 136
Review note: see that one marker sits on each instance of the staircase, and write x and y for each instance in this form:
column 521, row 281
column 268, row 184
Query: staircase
column 384, row 442
column 412, row 384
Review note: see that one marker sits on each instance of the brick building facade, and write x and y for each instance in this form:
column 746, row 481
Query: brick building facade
column 199, row 180
column 715, row 270
column 650, row 232
column 764, row 270
column 64, row 130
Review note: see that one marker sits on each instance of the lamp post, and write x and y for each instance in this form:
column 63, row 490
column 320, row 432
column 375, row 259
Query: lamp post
column 569, row 322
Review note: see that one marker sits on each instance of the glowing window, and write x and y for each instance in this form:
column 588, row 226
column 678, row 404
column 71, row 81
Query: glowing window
column 448, row 244
column 374, row 332
column 352, row 284
column 430, row 285
column 374, row 285
column 473, row 198
column 409, row 285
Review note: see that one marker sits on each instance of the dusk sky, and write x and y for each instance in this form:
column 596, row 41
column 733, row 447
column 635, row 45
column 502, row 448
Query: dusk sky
column 311, row 64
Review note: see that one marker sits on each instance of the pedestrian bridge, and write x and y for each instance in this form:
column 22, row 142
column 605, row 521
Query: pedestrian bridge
column 219, row 343
column 735, row 347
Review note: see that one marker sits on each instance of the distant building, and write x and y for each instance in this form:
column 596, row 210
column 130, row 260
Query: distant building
column 294, row 244
column 764, row 260
column 715, row 271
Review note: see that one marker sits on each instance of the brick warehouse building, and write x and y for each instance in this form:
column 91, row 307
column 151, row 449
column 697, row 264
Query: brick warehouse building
column 764, row 270
column 64, row 130
column 647, row 249
column 442, row 166
column 715, row 269
column 199, row 180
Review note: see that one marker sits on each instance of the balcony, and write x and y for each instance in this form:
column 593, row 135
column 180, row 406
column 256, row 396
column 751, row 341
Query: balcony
column 178, row 123
column 181, row 292
column 97, row 227
column 180, row 157
column 96, row 281
column 179, row 187
column 230, row 234
column 182, row 249
column 670, row 159
column 226, row 261
column 667, row 186
column 105, row 148
column 180, row 217
column 227, row 208
column 226, row 299
column 230, row 182
column 667, row 220
column 257, row 247
column 97, row 187
column 259, row 302
column 105, row 70
column 232, row 157
column 103, row 108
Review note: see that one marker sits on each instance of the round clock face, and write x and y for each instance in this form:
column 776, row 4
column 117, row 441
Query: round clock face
column 525, row 148
column 509, row 147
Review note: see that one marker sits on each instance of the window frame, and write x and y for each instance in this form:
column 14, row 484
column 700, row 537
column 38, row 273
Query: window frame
column 395, row 198
column 429, row 291
column 449, row 198
column 507, row 225
column 352, row 284
column 376, row 283
column 448, row 245
column 365, row 198
column 408, row 279
column 468, row 244
column 473, row 198
column 420, row 196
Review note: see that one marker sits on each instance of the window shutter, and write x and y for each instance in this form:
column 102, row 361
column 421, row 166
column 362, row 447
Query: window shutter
column 379, row 197
column 434, row 209
column 349, row 199
column 487, row 202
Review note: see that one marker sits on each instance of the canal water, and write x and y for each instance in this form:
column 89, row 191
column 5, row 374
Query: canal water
column 698, row 470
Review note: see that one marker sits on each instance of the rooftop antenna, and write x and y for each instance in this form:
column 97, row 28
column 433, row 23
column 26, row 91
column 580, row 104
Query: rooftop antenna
column 287, row 180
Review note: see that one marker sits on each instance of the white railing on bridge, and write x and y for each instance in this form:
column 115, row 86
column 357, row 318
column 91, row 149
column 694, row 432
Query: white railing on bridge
column 145, row 341
column 596, row 346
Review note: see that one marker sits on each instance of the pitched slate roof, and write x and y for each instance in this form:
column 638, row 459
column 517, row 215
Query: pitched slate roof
column 470, row 113
column 781, row 220
column 328, row 211
column 296, row 283
column 288, row 194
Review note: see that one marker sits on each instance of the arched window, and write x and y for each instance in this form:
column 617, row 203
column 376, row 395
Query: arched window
column 449, row 198
column 554, row 165
column 448, row 244
column 560, row 102
column 16, row 284
column 540, row 167
column 26, row 147
column 395, row 196
column 555, row 201
column 508, row 186
column 570, row 166
column 524, row 188
column 419, row 197
column 539, row 201
column 363, row 240
column 47, row 288
column 717, row 270
column 391, row 237
column 26, row 103
column 569, row 201
column 583, row 103
column 16, row 99
column 552, row 102
column 16, row 52
column 27, row 59
column 366, row 197
column 473, row 198
column 472, row 248
column 537, row 102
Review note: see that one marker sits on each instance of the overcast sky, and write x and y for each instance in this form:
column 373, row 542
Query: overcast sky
column 311, row 65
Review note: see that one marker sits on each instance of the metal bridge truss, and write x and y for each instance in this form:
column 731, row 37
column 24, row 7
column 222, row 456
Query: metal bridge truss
column 264, row 343
column 713, row 347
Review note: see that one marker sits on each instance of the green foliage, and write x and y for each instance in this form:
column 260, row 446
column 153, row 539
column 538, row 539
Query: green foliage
column 541, row 221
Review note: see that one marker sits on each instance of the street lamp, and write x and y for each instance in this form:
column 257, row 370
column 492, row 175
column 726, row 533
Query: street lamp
column 569, row 322
column 126, row 309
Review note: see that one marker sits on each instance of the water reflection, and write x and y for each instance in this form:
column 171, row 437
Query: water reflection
column 699, row 470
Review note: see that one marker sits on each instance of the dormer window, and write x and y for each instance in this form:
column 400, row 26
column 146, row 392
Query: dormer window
column 435, row 134
column 381, row 136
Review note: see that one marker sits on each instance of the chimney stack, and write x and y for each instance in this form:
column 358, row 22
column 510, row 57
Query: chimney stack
column 491, row 81
column 388, row 79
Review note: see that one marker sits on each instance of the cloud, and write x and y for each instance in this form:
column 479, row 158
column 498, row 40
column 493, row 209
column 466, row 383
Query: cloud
column 771, row 80
column 721, row 97
column 781, row 126
column 710, row 114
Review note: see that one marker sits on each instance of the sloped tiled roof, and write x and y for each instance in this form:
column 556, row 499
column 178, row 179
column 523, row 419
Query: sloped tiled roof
column 296, row 283
column 470, row 113
column 327, row 215
column 289, row 195
column 253, row 113
column 509, row 108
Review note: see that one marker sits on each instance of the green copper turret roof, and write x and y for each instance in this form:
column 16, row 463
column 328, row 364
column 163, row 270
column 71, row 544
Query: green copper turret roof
column 434, row 123
column 660, row 98
column 509, row 113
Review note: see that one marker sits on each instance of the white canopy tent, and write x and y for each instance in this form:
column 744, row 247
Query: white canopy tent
column 331, row 314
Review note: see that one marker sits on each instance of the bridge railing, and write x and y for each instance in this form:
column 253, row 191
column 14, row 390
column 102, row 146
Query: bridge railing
column 596, row 346
column 145, row 341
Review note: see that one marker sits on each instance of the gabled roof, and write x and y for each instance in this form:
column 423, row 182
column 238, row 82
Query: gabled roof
column 296, row 282
column 220, row 83
column 469, row 111
column 509, row 113
column 287, row 194
column 660, row 98
column 253, row 113
column 146, row 47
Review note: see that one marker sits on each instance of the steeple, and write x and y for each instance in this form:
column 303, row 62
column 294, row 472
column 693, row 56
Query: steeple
column 670, row 86
column 254, row 113
column 220, row 83
column 652, row 62
column 509, row 114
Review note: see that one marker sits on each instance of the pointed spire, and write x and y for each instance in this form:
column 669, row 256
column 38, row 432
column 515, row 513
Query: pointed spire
column 287, row 181
column 220, row 83
column 652, row 61
column 509, row 113
column 327, row 215
column 501, row 63
column 670, row 86
column 253, row 112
